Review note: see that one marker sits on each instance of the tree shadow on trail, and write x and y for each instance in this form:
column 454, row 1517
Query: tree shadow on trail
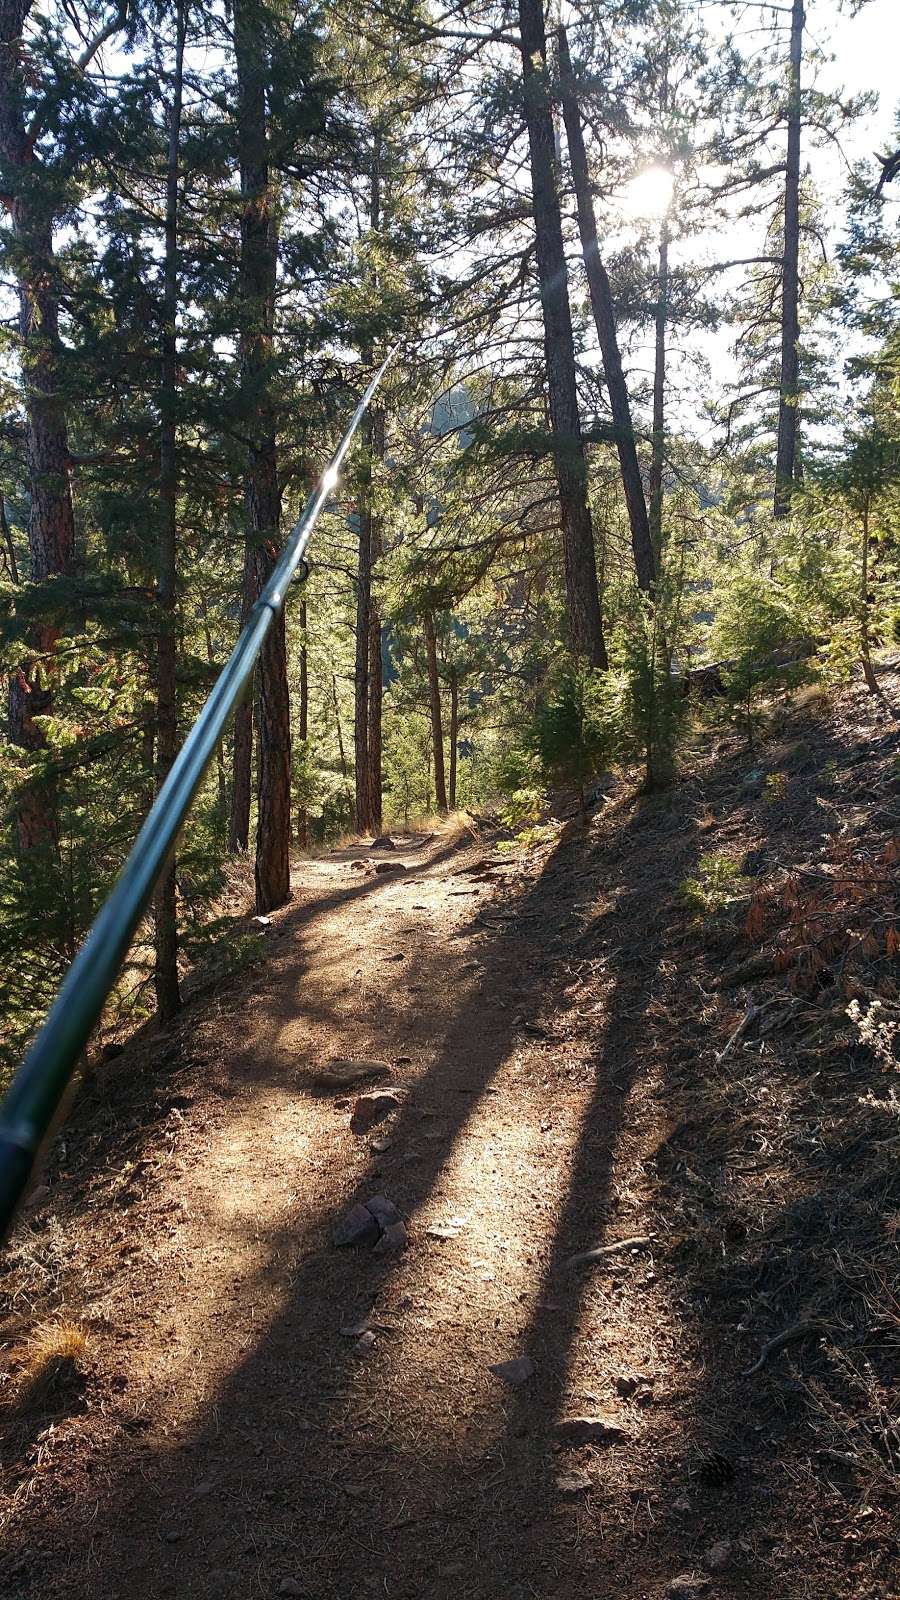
column 118, row 1109
column 321, row 1473
column 272, row 1441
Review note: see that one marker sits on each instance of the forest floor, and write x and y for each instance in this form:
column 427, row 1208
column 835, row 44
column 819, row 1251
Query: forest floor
column 581, row 1058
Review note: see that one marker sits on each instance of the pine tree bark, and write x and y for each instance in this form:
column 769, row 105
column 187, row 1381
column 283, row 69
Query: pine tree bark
column 368, row 687
column 342, row 754
column 165, row 976
column 303, row 722
column 376, row 680
column 603, row 309
column 51, row 526
column 434, row 697
column 788, row 390
column 221, row 782
column 361, row 672
column 559, row 346
column 262, row 495
column 242, row 736
column 454, row 735
column 9, row 548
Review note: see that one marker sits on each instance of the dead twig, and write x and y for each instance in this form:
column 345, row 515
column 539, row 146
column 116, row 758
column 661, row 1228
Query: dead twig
column 799, row 1330
column 600, row 1251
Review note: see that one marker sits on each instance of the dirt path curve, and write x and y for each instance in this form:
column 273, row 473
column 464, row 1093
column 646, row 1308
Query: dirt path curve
column 232, row 1441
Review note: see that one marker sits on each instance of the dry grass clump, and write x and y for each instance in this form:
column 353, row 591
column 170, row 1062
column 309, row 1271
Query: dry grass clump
column 56, row 1355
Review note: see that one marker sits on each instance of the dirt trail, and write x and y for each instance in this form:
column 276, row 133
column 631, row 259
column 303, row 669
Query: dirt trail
column 230, row 1440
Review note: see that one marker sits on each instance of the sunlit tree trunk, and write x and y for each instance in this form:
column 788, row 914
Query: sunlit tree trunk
column 559, row 345
column 605, row 322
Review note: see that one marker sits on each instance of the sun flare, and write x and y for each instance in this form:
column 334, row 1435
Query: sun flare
column 649, row 194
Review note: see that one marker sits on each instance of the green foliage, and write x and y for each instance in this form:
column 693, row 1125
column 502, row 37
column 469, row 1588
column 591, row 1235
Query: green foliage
column 758, row 622
column 575, row 726
column 715, row 884
column 521, row 808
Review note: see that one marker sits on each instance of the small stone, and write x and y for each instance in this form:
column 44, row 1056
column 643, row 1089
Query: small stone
column 717, row 1557
column 383, row 1210
column 372, row 1108
column 444, row 1230
column 359, row 866
column 389, row 866
column 172, row 1535
column 590, row 1430
column 343, row 1074
column 627, row 1384
column 516, row 1371
column 358, row 1227
column 687, row 1586
column 393, row 1238
column 290, row 1586
column 572, row 1483
column 383, row 842
column 365, row 1342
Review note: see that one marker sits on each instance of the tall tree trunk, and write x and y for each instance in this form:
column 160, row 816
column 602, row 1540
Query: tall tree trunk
column 788, row 392
column 659, row 395
column 242, row 736
column 337, row 718
column 376, row 681
column 165, row 976
column 361, row 673
column 9, row 549
column 605, row 322
column 559, row 346
column 262, row 496
column 303, row 724
column 221, row 783
column 434, row 696
column 454, row 734
column 367, row 702
column 51, row 526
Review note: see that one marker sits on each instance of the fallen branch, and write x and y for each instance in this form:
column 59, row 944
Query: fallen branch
column 600, row 1251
